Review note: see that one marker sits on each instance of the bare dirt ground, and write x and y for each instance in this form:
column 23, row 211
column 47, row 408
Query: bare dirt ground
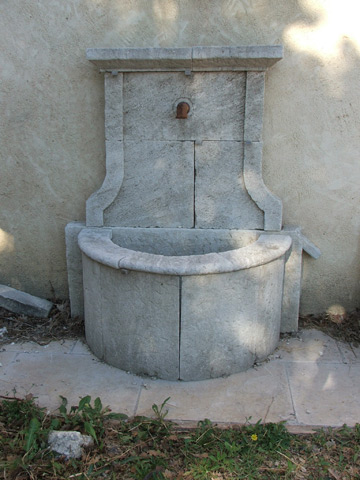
column 22, row 328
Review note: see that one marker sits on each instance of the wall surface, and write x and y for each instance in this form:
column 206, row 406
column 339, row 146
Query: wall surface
column 52, row 122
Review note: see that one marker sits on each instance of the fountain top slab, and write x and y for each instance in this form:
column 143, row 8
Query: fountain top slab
column 200, row 59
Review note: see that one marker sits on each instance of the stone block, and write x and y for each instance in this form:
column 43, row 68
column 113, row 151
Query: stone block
column 150, row 313
column 203, row 58
column 252, row 57
column 158, row 186
column 74, row 268
column 269, row 203
column 23, row 303
column 292, row 278
column 221, row 199
column 140, row 59
column 229, row 321
column 102, row 198
column 216, row 106
column 254, row 106
column 132, row 321
column 292, row 283
column 93, row 306
column 113, row 107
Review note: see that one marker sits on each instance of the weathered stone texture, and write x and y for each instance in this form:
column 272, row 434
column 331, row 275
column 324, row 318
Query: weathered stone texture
column 205, row 325
column 69, row 444
column 145, row 59
column 23, row 303
column 74, row 268
column 97, row 245
column 193, row 242
column 254, row 106
column 254, row 183
column 221, row 199
column 107, row 193
column 113, row 106
column 229, row 321
column 132, row 319
column 158, row 185
column 202, row 58
column 182, row 241
column 216, row 106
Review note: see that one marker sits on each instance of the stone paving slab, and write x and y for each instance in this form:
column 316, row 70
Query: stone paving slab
column 256, row 394
column 72, row 376
column 309, row 346
column 6, row 357
column 350, row 354
column 81, row 348
column 297, row 384
column 63, row 346
column 326, row 394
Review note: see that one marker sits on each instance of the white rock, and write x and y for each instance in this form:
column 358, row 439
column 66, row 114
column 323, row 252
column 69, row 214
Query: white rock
column 3, row 331
column 69, row 443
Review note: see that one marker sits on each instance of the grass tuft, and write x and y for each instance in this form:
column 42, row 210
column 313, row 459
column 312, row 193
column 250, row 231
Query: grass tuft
column 154, row 448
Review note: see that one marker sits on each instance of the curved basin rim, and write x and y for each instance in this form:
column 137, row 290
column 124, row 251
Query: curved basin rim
column 97, row 245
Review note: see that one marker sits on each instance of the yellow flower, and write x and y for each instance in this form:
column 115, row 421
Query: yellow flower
column 254, row 437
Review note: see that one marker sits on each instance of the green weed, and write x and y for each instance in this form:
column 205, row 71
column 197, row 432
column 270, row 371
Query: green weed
column 154, row 448
column 86, row 417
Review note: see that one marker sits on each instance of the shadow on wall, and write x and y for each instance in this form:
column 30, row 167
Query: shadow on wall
column 316, row 127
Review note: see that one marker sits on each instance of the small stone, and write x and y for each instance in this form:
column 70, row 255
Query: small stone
column 331, row 443
column 69, row 443
column 23, row 303
column 3, row 331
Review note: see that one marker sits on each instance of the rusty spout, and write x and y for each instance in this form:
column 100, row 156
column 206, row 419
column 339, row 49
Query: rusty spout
column 182, row 110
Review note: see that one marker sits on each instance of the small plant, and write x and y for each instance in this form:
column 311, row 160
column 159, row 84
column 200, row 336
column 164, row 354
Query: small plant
column 27, row 418
column 87, row 417
column 18, row 412
column 204, row 432
column 268, row 436
column 160, row 412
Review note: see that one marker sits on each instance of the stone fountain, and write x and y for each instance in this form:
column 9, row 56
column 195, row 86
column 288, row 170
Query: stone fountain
column 183, row 269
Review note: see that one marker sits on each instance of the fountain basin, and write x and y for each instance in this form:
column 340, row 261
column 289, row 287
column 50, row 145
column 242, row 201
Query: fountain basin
column 182, row 304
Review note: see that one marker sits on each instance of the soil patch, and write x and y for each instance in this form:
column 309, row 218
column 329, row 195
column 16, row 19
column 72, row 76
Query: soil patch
column 345, row 328
column 58, row 326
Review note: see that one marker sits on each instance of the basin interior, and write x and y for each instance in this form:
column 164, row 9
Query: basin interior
column 182, row 241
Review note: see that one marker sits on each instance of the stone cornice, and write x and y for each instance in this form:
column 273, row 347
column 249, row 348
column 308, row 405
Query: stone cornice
column 196, row 59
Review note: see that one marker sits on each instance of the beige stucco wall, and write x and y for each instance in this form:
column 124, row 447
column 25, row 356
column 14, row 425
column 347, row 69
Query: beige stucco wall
column 51, row 122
